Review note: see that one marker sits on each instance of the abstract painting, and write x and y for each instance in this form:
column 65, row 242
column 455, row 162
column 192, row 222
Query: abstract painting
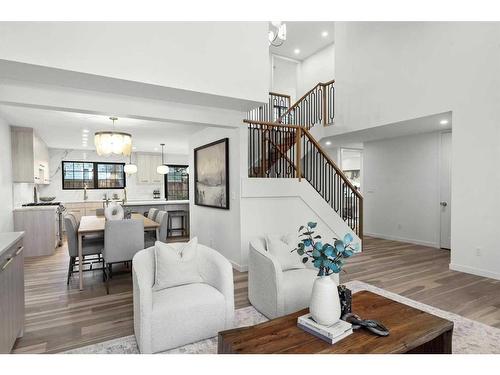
column 211, row 174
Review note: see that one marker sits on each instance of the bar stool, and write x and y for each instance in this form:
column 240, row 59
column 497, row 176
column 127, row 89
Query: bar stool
column 184, row 215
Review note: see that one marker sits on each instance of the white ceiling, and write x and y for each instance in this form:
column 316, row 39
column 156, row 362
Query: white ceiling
column 306, row 36
column 414, row 126
column 60, row 129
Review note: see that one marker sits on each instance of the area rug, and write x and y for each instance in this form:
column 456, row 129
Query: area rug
column 469, row 336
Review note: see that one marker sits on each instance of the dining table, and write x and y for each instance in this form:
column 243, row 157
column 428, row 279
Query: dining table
column 96, row 224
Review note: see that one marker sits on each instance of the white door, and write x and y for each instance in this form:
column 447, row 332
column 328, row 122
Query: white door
column 445, row 190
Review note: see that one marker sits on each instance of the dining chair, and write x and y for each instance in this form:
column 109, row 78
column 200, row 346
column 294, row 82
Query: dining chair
column 162, row 219
column 122, row 239
column 152, row 213
column 90, row 247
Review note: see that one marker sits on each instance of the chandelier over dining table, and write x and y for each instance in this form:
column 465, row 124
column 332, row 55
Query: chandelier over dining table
column 113, row 142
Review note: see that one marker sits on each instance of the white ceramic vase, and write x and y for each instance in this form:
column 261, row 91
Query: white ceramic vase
column 325, row 302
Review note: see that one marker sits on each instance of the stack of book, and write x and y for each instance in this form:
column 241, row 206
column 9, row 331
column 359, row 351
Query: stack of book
column 330, row 334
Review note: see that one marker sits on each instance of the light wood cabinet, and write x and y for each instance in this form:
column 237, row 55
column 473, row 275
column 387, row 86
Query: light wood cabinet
column 146, row 169
column 40, row 227
column 30, row 157
column 11, row 296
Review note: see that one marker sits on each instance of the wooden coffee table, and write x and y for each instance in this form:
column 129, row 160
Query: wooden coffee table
column 411, row 331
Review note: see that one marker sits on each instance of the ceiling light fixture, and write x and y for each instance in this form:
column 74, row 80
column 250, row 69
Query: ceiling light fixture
column 324, row 34
column 443, row 122
column 328, row 143
column 162, row 169
column 113, row 142
column 277, row 36
column 296, row 51
column 130, row 168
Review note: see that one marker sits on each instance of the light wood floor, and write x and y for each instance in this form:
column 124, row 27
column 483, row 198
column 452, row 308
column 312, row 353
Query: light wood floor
column 60, row 317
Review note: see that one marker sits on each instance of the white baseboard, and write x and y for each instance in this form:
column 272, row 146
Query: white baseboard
column 238, row 267
column 403, row 239
column 475, row 271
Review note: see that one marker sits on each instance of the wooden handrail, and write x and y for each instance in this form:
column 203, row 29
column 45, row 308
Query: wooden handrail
column 278, row 94
column 268, row 123
column 292, row 107
column 334, row 165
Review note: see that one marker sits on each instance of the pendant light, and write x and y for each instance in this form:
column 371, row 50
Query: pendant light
column 130, row 168
column 113, row 142
column 162, row 169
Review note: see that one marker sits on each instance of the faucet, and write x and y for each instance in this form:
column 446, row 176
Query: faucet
column 35, row 193
column 85, row 197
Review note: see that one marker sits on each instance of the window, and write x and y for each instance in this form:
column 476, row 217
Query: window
column 177, row 183
column 93, row 175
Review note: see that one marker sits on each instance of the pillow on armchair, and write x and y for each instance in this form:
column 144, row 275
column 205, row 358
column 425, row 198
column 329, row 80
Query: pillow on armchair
column 176, row 266
column 281, row 246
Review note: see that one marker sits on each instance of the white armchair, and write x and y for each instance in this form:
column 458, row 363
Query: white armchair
column 172, row 317
column 275, row 292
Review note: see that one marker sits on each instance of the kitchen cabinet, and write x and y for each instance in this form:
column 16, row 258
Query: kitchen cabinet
column 40, row 226
column 30, row 157
column 146, row 168
column 11, row 289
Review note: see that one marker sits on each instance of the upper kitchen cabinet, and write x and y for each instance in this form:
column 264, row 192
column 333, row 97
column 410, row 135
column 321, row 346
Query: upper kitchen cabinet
column 30, row 157
column 146, row 168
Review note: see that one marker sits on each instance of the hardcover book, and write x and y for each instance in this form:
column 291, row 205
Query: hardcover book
column 330, row 334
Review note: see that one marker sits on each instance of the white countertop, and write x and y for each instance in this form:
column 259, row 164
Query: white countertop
column 154, row 202
column 36, row 208
column 7, row 239
column 136, row 202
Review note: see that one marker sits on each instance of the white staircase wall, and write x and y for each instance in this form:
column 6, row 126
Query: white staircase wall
column 282, row 206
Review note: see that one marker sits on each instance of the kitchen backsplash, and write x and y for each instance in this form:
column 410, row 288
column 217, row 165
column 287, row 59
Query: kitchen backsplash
column 23, row 193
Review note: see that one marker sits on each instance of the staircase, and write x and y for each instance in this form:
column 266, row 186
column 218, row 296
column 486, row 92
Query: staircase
column 281, row 146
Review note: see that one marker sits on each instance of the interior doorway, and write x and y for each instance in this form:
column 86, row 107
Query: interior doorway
column 351, row 162
column 445, row 190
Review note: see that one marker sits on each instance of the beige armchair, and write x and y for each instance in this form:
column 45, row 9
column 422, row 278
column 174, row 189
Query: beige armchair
column 275, row 292
column 180, row 315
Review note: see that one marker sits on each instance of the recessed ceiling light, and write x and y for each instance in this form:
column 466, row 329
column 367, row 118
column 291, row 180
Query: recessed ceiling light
column 324, row 34
column 443, row 122
column 134, row 148
column 85, row 130
column 328, row 143
column 156, row 148
column 296, row 51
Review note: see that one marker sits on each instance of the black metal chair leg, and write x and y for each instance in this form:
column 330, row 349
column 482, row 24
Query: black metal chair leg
column 70, row 269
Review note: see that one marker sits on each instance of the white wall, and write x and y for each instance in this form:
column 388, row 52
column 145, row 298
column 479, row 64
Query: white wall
column 284, row 76
column 281, row 206
column 401, row 194
column 134, row 190
column 319, row 67
column 222, row 58
column 6, row 219
column 218, row 228
column 387, row 72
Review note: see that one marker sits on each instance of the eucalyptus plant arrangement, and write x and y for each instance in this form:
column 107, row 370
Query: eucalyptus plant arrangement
column 327, row 258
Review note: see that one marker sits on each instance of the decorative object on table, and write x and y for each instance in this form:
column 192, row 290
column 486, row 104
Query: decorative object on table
column 113, row 142
column 325, row 302
column 46, row 199
column 156, row 194
column 114, row 211
column 162, row 169
column 331, row 334
column 211, row 174
column 127, row 213
column 371, row 325
column 345, row 296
